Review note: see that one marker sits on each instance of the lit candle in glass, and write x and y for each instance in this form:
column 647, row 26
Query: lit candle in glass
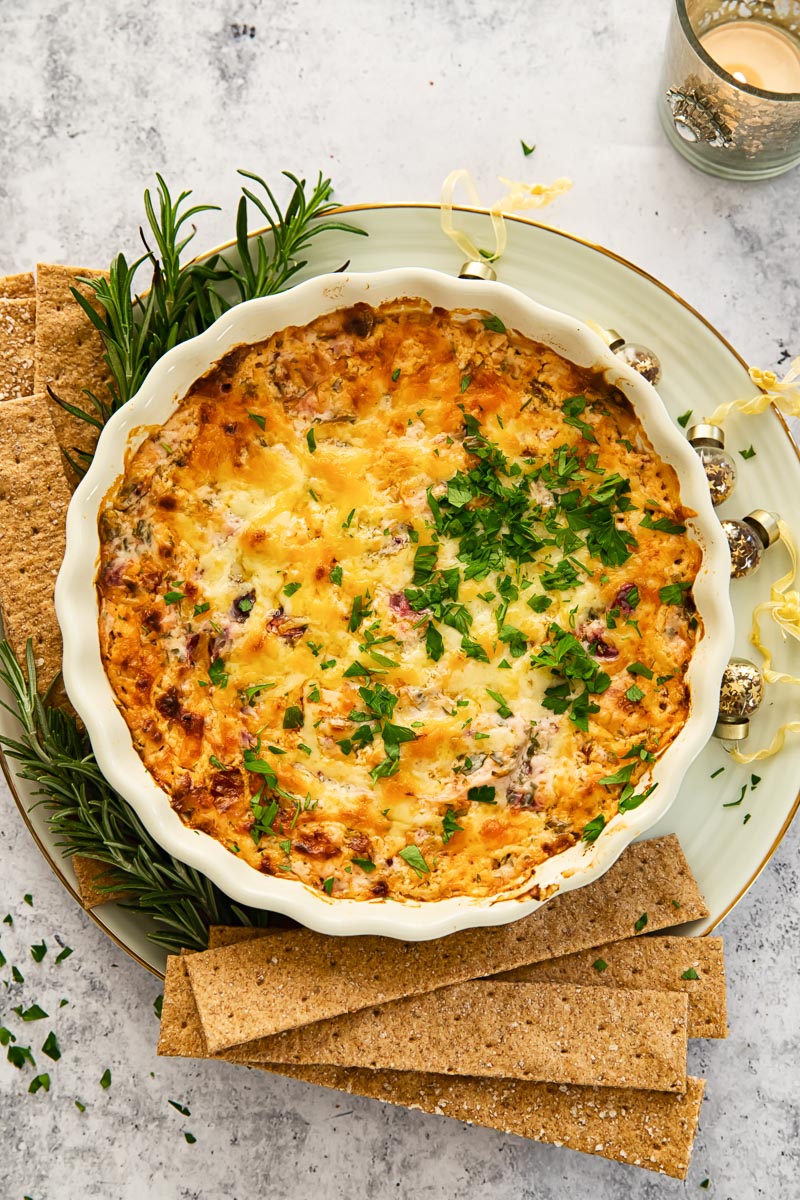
column 729, row 98
column 756, row 53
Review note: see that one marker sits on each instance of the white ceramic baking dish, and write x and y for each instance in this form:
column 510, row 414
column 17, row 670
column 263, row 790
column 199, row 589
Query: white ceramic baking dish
column 92, row 696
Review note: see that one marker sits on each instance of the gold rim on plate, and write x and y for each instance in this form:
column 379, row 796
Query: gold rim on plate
column 353, row 208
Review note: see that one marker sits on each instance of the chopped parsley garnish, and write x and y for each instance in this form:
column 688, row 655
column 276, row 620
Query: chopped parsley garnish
column 634, row 693
column 466, row 380
column 293, row 717
column 366, row 864
column 424, row 564
column 289, row 590
column 663, row 524
column 561, row 578
column 450, row 825
column 637, row 668
column 260, row 421
column 105, row 1079
column 640, row 923
column 28, row 898
column 482, row 795
column 593, row 829
column 80, row 1107
column 39, row 1082
column 346, row 524
column 34, row 1013
column 250, row 693
column 190, row 1138
column 736, row 803
column 395, row 374
column 690, row 974
column 539, row 604
column 564, row 655
column 600, row 965
column 673, row 593
column 683, row 419
column 434, row 643
column 174, row 596
column 623, row 775
column 181, row 1108
column 199, row 609
column 19, row 1055
column 217, row 673
column 360, row 610
column 17, row 975
column 413, row 856
column 51, row 1047
column 335, row 575
column 573, row 407
column 311, row 440
column 6, row 1036
column 38, row 951
column 526, row 150
column 158, row 1005
column 494, row 324
column 313, row 694
column 755, row 780
column 628, row 801
column 327, row 885
column 748, row 453
column 503, row 709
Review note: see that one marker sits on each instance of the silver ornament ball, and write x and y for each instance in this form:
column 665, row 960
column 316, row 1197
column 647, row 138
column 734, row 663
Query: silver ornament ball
column 641, row 358
column 746, row 548
column 709, row 444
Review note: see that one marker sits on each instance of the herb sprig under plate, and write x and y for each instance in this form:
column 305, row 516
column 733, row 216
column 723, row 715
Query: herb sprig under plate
column 186, row 298
column 89, row 817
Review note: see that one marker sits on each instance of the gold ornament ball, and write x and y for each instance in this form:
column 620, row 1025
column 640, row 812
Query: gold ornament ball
column 741, row 691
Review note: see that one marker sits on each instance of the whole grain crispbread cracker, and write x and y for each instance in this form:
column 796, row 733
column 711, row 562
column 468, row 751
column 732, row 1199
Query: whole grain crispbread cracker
column 311, row 977
column 180, row 1034
column 93, row 877
column 33, row 504
column 17, row 321
column 16, row 287
column 68, row 353
column 659, row 963
column 550, row 1032
column 662, row 963
column 654, row 1130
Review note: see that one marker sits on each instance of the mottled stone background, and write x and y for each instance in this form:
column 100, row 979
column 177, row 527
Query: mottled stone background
column 387, row 98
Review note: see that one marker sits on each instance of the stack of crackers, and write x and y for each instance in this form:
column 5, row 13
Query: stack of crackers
column 564, row 1027
column 47, row 347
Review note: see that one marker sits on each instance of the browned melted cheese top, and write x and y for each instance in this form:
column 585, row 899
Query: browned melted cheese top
column 398, row 604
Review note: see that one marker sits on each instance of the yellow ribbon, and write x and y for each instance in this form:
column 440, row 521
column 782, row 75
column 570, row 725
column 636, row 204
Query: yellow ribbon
column 520, row 196
column 783, row 393
column 784, row 608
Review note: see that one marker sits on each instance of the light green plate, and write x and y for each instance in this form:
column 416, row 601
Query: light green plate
column 701, row 370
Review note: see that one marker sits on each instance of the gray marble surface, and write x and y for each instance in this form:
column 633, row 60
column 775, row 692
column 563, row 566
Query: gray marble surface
column 387, row 98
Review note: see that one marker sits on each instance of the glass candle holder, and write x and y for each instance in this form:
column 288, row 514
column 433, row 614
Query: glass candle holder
column 729, row 98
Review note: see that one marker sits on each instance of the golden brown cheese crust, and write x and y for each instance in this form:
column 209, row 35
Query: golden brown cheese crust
column 382, row 604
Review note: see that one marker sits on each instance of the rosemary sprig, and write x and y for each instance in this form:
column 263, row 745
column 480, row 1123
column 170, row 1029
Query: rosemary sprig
column 90, row 818
column 183, row 299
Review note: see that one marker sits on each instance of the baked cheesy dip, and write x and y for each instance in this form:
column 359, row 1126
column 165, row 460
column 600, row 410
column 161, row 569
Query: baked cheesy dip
column 399, row 604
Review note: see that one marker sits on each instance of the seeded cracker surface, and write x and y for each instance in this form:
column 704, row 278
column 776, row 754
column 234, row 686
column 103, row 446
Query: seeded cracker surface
column 17, row 319
column 553, row 1032
column 33, row 504
column 656, row 963
column 68, row 353
column 15, row 287
column 314, row 977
